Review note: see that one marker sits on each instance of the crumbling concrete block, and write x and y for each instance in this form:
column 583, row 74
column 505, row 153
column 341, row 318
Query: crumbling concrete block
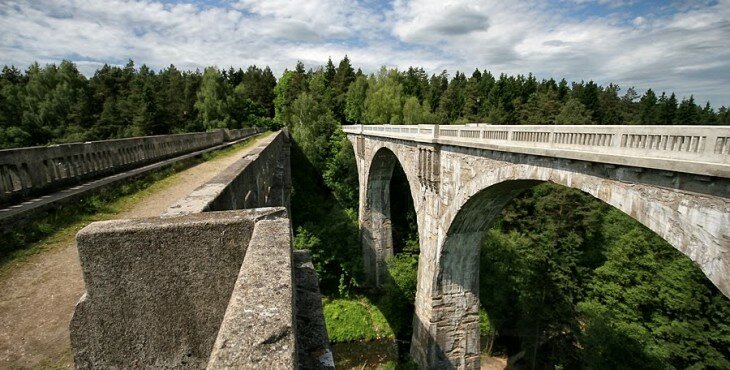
column 157, row 289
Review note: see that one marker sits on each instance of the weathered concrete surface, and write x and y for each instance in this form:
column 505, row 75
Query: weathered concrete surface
column 459, row 190
column 37, row 170
column 157, row 289
column 260, row 179
column 312, row 339
column 226, row 296
column 258, row 329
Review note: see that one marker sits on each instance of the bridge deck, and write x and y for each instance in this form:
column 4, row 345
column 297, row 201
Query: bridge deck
column 701, row 150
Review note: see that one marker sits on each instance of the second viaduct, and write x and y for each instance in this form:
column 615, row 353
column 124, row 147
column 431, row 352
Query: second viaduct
column 675, row 180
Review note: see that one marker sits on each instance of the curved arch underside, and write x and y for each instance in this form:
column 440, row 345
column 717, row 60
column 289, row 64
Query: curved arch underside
column 697, row 225
column 376, row 234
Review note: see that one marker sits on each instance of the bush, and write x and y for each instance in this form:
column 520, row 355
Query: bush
column 350, row 320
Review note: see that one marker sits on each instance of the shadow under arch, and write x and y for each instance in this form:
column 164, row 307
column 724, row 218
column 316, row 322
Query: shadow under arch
column 376, row 227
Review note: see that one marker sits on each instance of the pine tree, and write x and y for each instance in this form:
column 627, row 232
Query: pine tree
column 542, row 108
column 688, row 113
column 355, row 100
column 573, row 113
column 329, row 72
column 611, row 106
column 667, row 109
column 472, row 97
column 451, row 104
column 648, row 112
column 344, row 76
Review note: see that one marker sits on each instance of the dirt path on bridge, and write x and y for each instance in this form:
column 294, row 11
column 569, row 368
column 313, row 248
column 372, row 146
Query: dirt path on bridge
column 38, row 294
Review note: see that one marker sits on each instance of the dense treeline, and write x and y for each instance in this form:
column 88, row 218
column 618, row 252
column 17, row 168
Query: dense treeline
column 411, row 97
column 54, row 104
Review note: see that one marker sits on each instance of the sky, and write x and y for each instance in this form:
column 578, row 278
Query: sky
column 672, row 45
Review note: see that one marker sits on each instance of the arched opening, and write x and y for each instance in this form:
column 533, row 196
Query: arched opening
column 389, row 234
column 565, row 280
column 388, row 218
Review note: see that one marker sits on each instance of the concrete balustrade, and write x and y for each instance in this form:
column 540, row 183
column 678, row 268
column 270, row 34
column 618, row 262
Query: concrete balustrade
column 36, row 170
column 703, row 150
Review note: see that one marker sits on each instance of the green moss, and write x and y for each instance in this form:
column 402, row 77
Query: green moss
column 355, row 319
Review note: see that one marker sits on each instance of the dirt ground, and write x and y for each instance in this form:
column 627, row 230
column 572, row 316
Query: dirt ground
column 493, row 363
column 38, row 294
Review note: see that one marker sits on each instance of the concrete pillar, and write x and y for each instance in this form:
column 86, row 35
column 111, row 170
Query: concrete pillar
column 375, row 226
column 446, row 319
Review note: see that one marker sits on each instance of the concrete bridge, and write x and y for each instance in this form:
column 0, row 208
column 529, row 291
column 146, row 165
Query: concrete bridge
column 675, row 180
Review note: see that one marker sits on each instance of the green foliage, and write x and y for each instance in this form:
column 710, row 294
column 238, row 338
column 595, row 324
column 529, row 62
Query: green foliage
column 414, row 113
column 542, row 108
column 354, row 319
column 581, row 284
column 340, row 173
column 55, row 103
column 355, row 100
column 485, row 325
column 400, row 365
column 573, row 113
column 656, row 296
column 312, row 126
column 384, row 99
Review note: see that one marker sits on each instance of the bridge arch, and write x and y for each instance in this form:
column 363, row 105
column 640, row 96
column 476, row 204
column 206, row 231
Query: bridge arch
column 692, row 223
column 376, row 234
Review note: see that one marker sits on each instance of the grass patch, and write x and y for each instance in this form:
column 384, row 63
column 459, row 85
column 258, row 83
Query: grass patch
column 355, row 319
column 236, row 147
column 64, row 221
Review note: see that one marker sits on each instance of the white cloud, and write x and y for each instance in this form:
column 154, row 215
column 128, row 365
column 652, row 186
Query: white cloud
column 688, row 52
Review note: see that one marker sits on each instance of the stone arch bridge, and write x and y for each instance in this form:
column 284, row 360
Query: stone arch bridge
column 675, row 180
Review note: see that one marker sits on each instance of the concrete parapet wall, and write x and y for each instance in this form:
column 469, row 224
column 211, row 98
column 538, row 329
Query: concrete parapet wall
column 258, row 329
column 312, row 339
column 37, row 170
column 260, row 179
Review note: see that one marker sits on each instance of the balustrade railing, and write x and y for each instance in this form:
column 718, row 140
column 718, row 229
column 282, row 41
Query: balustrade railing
column 35, row 170
column 700, row 144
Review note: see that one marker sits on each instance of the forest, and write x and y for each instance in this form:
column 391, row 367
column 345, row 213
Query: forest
column 566, row 281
